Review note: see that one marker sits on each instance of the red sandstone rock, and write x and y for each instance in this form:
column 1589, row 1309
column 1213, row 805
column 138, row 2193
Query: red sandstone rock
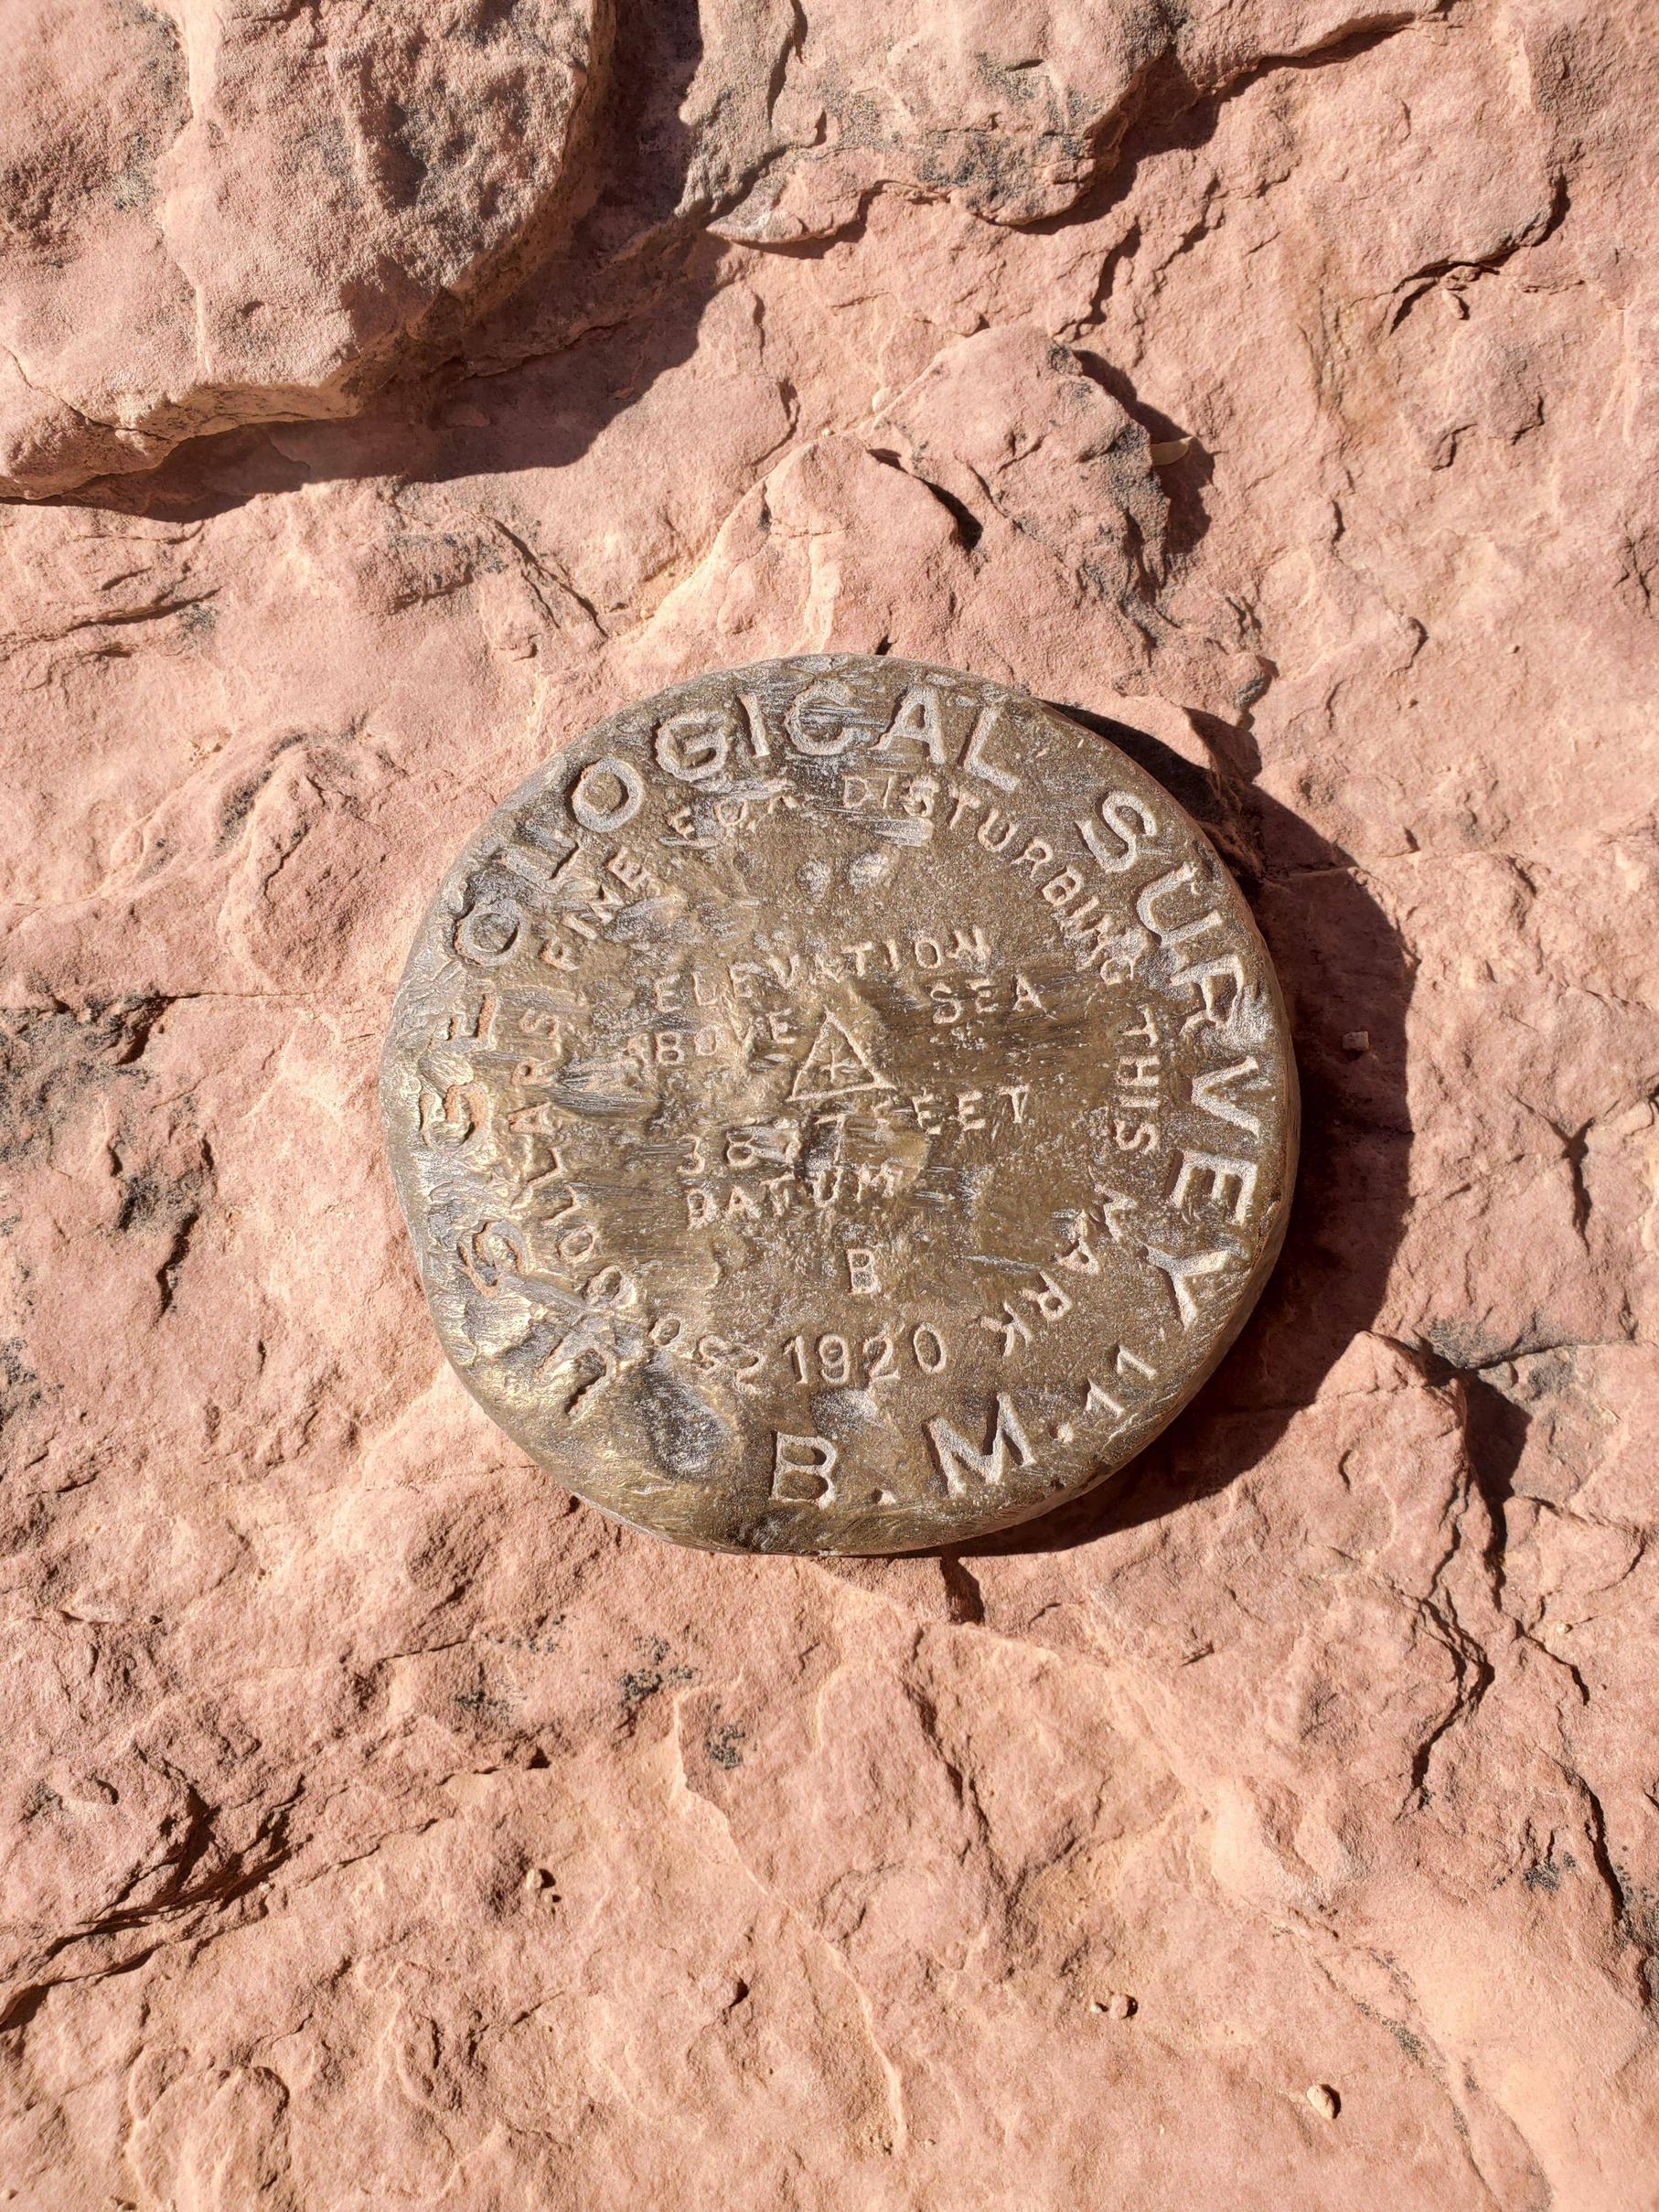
column 381, row 1827
column 242, row 212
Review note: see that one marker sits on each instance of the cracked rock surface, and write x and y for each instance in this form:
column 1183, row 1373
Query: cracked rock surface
column 1279, row 1828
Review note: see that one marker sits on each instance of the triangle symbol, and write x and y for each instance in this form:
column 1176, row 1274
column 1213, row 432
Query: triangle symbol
column 835, row 1066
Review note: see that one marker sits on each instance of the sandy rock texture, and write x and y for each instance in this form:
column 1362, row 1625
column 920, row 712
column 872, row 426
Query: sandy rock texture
column 1281, row 1828
column 226, row 211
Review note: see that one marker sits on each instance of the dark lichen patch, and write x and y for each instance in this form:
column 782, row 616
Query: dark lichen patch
column 162, row 81
column 151, row 1201
column 541, row 1639
column 1547, row 1874
column 53, row 1057
column 168, row 1204
column 238, row 802
column 198, row 617
column 1410, row 2044
column 723, row 1746
column 1464, row 1350
column 98, row 146
column 488, row 1708
column 644, row 1681
column 20, row 1387
column 1022, row 81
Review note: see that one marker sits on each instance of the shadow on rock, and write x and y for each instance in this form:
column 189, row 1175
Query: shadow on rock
column 1347, row 983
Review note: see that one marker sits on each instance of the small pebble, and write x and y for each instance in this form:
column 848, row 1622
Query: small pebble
column 1358, row 1041
column 1324, row 2100
column 537, row 1878
column 1122, row 2007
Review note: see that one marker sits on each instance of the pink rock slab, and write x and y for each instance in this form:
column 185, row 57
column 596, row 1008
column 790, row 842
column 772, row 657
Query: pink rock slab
column 380, row 1827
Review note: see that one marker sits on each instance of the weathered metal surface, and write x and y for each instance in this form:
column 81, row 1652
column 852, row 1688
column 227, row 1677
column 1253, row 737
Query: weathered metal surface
column 839, row 1105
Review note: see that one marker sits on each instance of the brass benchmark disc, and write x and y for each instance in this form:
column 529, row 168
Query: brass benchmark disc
column 839, row 1105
